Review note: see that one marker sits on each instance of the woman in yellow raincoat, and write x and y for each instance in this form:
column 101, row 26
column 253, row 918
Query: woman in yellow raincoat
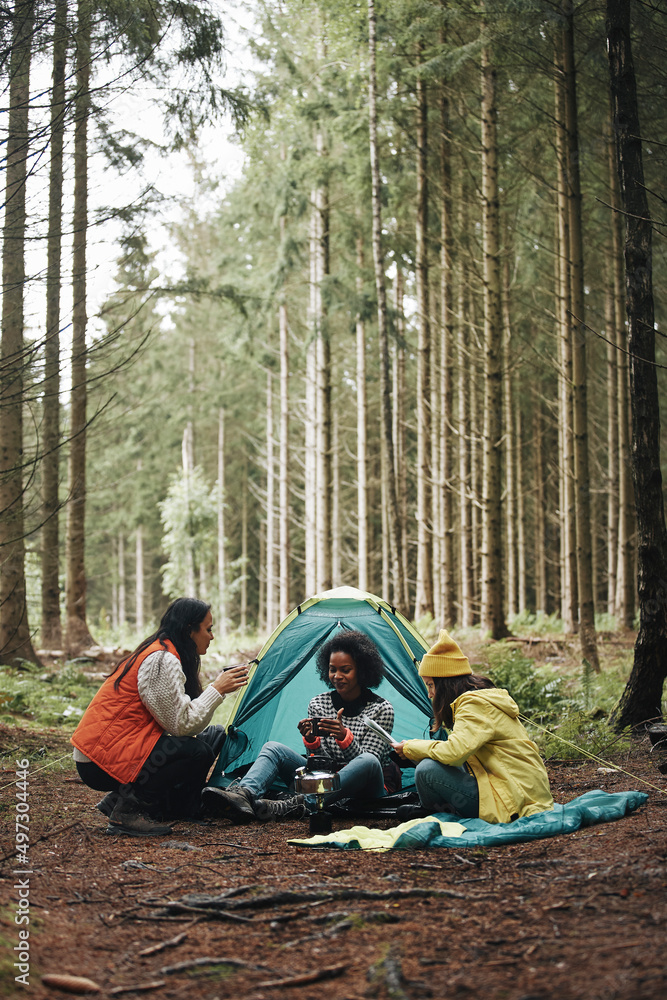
column 486, row 765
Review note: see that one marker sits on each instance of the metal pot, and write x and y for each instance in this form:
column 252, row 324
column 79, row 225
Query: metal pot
column 316, row 781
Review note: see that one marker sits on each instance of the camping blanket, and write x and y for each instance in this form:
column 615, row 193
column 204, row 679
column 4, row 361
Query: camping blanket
column 445, row 830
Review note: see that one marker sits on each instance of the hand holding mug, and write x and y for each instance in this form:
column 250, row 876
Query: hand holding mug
column 308, row 729
column 333, row 727
column 231, row 679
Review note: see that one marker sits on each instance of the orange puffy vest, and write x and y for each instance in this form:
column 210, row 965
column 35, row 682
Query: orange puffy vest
column 117, row 731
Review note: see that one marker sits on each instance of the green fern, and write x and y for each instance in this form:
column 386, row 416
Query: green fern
column 538, row 692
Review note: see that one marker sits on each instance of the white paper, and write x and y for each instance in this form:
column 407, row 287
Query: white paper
column 378, row 730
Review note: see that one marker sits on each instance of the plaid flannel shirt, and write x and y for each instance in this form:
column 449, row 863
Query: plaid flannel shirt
column 363, row 739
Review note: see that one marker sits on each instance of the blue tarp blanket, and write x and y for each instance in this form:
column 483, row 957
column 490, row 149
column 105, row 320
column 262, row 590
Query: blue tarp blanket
column 445, row 830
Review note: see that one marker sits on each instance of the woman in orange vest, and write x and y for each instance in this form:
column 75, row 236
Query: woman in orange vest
column 145, row 738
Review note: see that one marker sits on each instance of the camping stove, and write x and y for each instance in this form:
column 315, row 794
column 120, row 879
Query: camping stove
column 316, row 779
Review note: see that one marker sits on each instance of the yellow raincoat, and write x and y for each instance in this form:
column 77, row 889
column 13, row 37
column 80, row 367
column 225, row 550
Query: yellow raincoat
column 488, row 737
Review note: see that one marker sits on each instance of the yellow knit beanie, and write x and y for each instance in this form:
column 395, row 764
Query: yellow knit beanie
column 445, row 659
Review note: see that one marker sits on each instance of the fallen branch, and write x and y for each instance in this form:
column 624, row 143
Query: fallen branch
column 163, row 945
column 627, row 944
column 343, row 921
column 328, row 932
column 533, row 640
column 202, row 903
column 227, row 843
column 281, row 918
column 328, row 972
column 198, row 899
column 196, row 963
column 224, row 858
column 203, row 911
column 155, row 984
column 164, row 920
column 368, row 916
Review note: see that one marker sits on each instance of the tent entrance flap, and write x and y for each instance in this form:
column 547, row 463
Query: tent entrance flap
column 285, row 678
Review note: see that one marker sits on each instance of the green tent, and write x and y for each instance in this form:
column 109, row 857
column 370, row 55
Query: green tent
column 283, row 678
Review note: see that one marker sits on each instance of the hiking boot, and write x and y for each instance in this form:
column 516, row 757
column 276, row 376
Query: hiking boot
column 107, row 804
column 410, row 811
column 129, row 818
column 292, row 808
column 234, row 802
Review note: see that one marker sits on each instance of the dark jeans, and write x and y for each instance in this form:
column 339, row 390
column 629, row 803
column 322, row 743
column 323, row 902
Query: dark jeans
column 446, row 788
column 170, row 782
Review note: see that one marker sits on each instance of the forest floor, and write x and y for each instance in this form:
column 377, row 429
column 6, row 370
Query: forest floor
column 579, row 916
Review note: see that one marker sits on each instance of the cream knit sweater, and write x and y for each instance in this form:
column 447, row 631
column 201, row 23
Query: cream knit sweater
column 161, row 686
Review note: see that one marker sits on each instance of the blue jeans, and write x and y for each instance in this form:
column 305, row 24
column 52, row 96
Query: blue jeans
column 444, row 788
column 362, row 777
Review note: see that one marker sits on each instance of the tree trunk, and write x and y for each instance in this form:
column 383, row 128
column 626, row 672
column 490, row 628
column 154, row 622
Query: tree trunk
column 399, row 435
column 476, row 466
column 243, row 610
column 187, row 458
column 568, row 530
column 323, row 442
column 77, row 634
column 336, row 537
column 445, row 429
column 261, row 575
column 612, row 443
column 540, row 512
column 271, row 621
column 139, row 615
column 641, row 699
column 435, row 554
column 466, row 615
column 362, row 443
column 114, row 585
column 509, row 443
column 385, row 568
column 15, row 638
column 283, row 489
column 521, row 578
column 387, row 457
column 614, row 329
column 223, row 613
column 52, row 633
column 310, row 464
column 624, row 607
column 492, row 612
column 579, row 371
column 122, row 606
column 424, row 589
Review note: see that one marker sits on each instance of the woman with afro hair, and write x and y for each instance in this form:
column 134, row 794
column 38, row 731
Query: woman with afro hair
column 350, row 665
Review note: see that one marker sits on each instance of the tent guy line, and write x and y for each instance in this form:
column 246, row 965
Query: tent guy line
column 599, row 760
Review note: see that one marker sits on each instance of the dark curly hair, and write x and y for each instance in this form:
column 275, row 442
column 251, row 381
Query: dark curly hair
column 362, row 649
